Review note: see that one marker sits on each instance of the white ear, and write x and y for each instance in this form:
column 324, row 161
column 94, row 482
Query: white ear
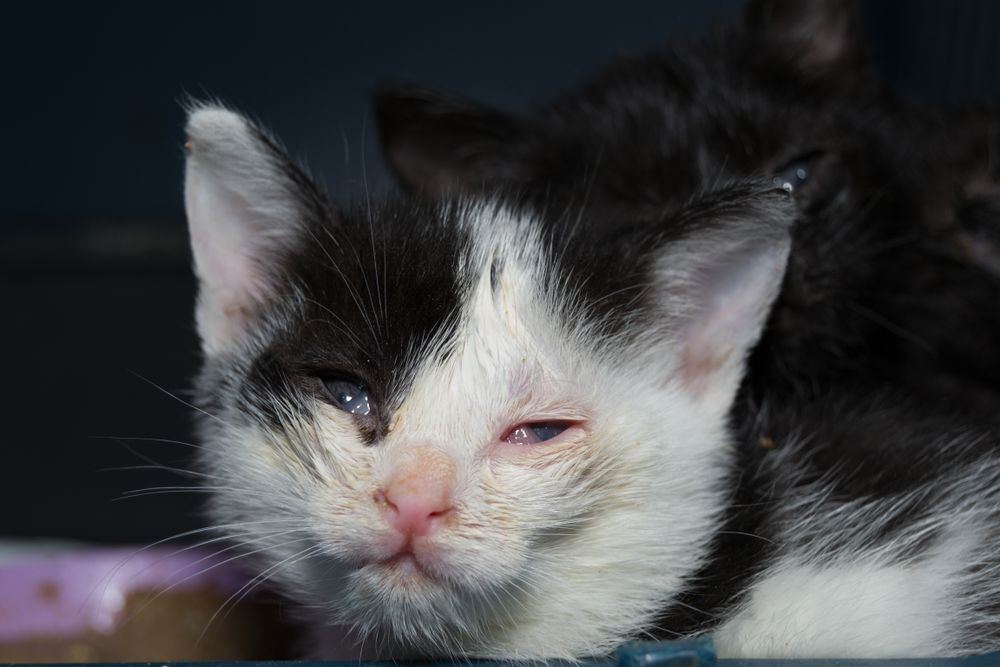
column 717, row 283
column 245, row 203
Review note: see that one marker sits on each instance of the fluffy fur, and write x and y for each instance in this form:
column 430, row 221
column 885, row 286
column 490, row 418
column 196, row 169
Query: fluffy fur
column 894, row 270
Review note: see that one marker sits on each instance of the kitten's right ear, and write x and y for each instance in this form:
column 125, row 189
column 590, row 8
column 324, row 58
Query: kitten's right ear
column 715, row 279
column 438, row 144
column 975, row 136
column 246, row 207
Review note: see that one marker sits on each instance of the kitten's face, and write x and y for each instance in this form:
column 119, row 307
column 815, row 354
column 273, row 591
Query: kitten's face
column 456, row 427
column 449, row 374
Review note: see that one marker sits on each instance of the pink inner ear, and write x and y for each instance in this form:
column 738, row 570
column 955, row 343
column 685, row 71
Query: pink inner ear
column 736, row 301
column 222, row 228
column 703, row 358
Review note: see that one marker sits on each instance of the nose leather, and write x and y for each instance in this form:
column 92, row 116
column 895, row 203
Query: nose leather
column 419, row 492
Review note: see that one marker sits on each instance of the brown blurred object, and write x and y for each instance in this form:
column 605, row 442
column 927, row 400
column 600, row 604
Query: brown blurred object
column 171, row 627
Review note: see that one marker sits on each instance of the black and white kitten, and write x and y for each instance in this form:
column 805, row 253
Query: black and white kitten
column 483, row 428
column 894, row 273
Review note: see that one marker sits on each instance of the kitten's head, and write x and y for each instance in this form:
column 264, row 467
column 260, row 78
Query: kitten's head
column 783, row 94
column 460, row 426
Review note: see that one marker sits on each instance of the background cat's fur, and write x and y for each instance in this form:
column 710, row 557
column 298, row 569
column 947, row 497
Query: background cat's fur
column 894, row 273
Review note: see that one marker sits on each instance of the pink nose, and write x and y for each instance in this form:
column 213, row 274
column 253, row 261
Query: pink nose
column 419, row 492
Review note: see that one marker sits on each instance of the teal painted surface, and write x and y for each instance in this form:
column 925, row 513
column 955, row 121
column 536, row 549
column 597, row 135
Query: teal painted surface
column 687, row 653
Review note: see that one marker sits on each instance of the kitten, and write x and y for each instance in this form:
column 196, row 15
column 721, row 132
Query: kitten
column 483, row 428
column 894, row 275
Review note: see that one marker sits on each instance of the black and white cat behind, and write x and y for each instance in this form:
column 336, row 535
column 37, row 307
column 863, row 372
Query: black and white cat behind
column 894, row 274
column 462, row 429
column 491, row 425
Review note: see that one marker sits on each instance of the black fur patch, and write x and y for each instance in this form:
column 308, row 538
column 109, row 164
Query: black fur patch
column 378, row 291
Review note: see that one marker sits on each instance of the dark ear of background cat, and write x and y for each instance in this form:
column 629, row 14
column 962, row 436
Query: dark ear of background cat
column 439, row 143
column 976, row 145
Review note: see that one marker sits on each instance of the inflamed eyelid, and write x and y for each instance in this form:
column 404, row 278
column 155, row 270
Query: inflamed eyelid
column 537, row 432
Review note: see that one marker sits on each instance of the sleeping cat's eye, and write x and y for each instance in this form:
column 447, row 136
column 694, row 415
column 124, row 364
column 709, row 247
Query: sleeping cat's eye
column 795, row 174
column 348, row 395
column 794, row 177
column 535, row 432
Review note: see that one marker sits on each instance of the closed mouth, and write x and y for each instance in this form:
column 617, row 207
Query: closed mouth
column 405, row 564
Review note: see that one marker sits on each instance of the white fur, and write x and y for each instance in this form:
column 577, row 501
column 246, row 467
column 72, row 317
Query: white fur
column 862, row 609
column 839, row 590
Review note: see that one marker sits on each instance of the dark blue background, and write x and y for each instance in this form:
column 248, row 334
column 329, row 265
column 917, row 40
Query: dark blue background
column 93, row 258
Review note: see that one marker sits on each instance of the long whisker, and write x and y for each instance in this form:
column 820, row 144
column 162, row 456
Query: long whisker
column 207, row 569
column 178, row 398
column 119, row 438
column 262, row 578
column 355, row 296
column 371, row 231
column 339, row 324
column 109, row 576
column 179, row 471
column 153, row 463
column 157, row 490
column 298, row 556
column 246, row 537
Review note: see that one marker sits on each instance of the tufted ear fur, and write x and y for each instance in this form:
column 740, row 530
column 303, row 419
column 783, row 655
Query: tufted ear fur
column 715, row 280
column 438, row 144
column 815, row 37
column 246, row 204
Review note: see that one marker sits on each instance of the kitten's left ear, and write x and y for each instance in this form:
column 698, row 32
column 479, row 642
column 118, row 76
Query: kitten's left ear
column 716, row 278
column 975, row 136
column 438, row 144
column 815, row 37
column 247, row 204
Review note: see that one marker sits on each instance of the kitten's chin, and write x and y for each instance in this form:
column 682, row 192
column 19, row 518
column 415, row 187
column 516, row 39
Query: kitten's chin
column 403, row 599
column 403, row 580
column 405, row 570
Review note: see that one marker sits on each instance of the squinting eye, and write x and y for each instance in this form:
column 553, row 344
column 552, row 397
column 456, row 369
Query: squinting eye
column 531, row 434
column 348, row 396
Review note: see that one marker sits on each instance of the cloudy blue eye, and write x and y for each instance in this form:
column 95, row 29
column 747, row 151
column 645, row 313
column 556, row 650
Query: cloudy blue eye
column 533, row 433
column 349, row 396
